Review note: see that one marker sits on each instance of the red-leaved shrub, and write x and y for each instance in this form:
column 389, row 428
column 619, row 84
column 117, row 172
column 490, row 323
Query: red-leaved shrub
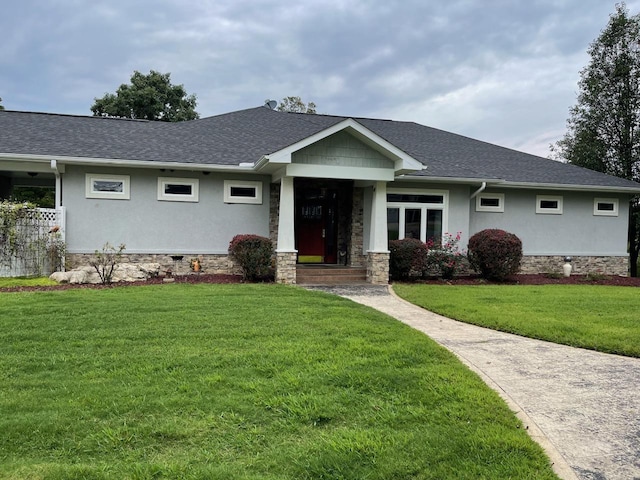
column 408, row 257
column 495, row 254
column 253, row 253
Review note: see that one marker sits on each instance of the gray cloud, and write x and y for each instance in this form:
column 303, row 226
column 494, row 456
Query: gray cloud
column 501, row 71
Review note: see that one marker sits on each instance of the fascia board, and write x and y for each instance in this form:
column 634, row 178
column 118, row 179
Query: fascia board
column 576, row 188
column 496, row 182
column 111, row 162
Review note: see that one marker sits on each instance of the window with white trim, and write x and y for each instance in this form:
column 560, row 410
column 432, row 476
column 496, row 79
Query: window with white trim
column 549, row 204
column 421, row 215
column 178, row 189
column 490, row 202
column 115, row 187
column 242, row 192
column 607, row 207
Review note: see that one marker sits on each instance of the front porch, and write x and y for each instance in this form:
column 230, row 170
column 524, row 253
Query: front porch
column 336, row 231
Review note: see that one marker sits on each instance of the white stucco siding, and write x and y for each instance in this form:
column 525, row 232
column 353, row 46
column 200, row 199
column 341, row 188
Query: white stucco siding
column 577, row 231
column 147, row 225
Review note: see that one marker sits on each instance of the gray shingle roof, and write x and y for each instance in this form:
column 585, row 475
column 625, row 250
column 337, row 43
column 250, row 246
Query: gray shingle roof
column 247, row 135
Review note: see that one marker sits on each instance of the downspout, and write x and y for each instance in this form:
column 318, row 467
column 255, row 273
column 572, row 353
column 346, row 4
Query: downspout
column 479, row 191
column 54, row 167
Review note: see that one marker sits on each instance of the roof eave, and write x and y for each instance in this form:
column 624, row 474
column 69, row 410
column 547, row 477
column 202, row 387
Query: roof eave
column 112, row 162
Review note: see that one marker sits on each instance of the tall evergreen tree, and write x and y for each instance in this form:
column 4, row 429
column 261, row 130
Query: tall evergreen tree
column 604, row 126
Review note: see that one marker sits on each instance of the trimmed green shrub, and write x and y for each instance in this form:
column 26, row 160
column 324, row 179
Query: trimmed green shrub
column 408, row 257
column 495, row 254
column 253, row 253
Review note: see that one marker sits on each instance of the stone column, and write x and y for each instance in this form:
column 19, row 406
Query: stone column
column 378, row 268
column 378, row 253
column 286, row 254
column 286, row 267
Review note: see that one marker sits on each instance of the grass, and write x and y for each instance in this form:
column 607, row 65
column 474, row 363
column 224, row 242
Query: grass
column 25, row 282
column 602, row 318
column 240, row 382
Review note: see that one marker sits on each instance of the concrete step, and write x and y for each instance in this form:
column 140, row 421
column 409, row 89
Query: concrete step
column 330, row 275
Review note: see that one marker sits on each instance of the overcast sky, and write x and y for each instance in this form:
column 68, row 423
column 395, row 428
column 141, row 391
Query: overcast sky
column 503, row 71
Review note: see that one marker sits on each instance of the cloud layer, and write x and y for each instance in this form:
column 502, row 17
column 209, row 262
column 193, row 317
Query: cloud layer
column 501, row 71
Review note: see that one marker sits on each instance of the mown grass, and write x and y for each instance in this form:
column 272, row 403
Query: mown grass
column 602, row 318
column 240, row 382
column 25, row 282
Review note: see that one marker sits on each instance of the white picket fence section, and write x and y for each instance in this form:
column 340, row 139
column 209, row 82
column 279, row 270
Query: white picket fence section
column 42, row 224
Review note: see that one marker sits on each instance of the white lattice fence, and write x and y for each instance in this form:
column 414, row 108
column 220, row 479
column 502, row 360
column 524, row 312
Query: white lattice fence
column 39, row 233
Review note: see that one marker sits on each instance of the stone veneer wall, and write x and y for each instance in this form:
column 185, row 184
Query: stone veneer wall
column 286, row 267
column 378, row 268
column 211, row 264
column 356, row 256
column 274, row 213
column 582, row 265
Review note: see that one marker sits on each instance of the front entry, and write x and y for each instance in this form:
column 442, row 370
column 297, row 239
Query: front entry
column 316, row 221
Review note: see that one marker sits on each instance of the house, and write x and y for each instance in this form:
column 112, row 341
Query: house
column 327, row 189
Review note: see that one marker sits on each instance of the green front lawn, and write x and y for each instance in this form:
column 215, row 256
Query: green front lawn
column 240, row 382
column 600, row 318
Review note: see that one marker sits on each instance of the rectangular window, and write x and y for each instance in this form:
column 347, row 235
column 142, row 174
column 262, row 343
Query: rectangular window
column 242, row 192
column 490, row 202
column 107, row 186
column 607, row 207
column 547, row 204
column 420, row 215
column 178, row 189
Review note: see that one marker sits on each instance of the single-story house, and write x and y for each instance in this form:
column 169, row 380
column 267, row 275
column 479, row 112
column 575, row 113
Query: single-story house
column 326, row 189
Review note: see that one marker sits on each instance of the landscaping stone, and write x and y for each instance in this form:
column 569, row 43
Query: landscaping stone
column 124, row 272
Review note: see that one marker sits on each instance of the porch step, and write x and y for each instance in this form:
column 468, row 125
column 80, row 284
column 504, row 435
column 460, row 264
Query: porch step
column 330, row 275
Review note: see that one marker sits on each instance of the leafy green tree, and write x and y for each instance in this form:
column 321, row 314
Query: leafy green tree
column 1, row 107
column 149, row 97
column 604, row 126
column 296, row 105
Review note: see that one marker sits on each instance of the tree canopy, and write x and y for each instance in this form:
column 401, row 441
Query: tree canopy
column 149, row 97
column 296, row 105
column 1, row 107
column 603, row 130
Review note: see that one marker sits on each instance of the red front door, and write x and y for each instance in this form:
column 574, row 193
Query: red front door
column 315, row 225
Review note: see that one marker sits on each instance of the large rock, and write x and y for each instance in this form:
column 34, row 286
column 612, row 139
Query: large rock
column 124, row 272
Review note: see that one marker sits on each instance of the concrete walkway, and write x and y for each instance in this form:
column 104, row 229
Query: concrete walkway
column 583, row 407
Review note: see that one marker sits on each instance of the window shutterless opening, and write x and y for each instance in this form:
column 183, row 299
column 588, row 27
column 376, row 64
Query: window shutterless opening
column 242, row 192
column 607, row 207
column 115, row 187
column 549, row 204
column 490, row 202
column 178, row 189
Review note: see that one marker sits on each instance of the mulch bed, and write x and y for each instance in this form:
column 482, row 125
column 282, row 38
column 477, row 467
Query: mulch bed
column 541, row 279
column 523, row 279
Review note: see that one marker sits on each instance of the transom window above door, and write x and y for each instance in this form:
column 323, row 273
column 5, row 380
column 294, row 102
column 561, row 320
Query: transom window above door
column 421, row 215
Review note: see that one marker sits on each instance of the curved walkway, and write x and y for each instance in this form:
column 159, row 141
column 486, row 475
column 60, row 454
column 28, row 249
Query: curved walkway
column 582, row 406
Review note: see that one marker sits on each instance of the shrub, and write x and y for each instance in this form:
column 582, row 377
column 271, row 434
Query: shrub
column 445, row 258
column 104, row 262
column 407, row 257
column 253, row 253
column 495, row 254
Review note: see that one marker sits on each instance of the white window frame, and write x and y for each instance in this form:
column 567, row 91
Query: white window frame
column 91, row 178
column 424, row 207
column 194, row 183
column 549, row 198
column 493, row 196
column 229, row 198
column 606, row 213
